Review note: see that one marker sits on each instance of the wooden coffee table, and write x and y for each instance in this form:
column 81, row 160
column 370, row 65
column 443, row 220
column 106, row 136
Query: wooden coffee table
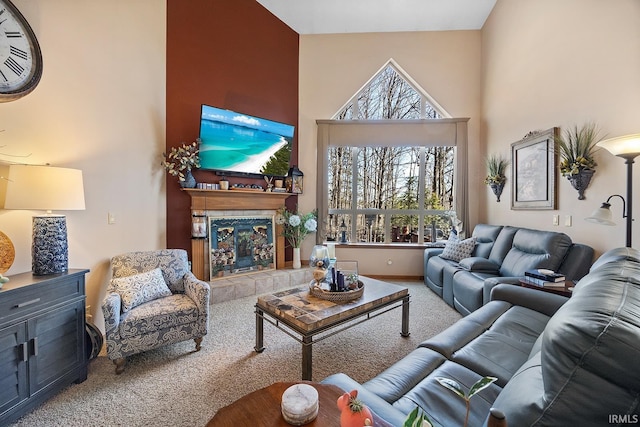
column 262, row 409
column 305, row 316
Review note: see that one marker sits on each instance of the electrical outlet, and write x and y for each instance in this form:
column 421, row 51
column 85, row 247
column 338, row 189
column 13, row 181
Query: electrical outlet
column 556, row 220
column 389, row 261
column 567, row 220
column 111, row 218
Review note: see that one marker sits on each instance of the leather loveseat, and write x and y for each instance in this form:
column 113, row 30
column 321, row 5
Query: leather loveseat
column 501, row 255
column 559, row 361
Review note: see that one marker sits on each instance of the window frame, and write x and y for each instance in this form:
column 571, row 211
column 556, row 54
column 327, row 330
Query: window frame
column 418, row 133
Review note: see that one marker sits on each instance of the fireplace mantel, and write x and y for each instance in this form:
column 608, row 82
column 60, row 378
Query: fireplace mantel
column 232, row 200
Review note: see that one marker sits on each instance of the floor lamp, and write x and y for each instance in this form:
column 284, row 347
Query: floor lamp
column 627, row 147
column 46, row 188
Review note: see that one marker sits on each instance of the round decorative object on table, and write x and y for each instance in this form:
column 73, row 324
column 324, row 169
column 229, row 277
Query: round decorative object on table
column 299, row 404
column 7, row 253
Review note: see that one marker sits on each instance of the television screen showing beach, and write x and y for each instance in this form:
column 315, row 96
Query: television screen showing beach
column 237, row 142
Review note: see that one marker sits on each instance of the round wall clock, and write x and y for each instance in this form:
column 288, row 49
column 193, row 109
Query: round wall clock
column 20, row 55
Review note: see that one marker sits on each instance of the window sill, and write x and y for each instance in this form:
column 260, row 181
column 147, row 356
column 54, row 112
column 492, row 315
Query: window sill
column 388, row 245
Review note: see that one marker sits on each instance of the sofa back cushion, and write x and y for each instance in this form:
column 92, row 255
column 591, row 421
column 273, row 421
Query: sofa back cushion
column 535, row 249
column 503, row 244
column 486, row 236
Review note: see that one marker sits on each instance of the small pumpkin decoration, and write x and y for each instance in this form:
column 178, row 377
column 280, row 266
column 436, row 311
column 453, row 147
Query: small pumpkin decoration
column 354, row 412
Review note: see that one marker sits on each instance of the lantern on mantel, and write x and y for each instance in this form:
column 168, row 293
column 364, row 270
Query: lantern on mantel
column 293, row 180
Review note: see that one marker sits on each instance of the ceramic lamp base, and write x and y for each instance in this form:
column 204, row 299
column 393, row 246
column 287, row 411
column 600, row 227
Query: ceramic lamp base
column 49, row 251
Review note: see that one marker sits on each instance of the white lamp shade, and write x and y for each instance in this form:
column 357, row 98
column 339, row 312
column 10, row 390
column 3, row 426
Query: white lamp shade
column 601, row 216
column 44, row 188
column 622, row 145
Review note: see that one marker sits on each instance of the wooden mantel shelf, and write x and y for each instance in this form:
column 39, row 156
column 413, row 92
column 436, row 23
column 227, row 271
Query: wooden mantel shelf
column 234, row 199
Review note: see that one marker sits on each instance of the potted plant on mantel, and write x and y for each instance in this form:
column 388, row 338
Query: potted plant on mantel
column 576, row 149
column 496, row 168
column 181, row 160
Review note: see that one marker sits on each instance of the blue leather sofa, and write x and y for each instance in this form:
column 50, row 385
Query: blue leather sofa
column 559, row 361
column 501, row 255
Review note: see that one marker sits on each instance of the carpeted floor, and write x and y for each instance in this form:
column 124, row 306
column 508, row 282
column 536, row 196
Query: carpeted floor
column 174, row 386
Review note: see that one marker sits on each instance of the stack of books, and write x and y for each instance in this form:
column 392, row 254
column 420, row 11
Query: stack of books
column 545, row 278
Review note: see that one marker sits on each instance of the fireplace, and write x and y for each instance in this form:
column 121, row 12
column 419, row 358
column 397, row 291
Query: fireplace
column 240, row 244
column 237, row 206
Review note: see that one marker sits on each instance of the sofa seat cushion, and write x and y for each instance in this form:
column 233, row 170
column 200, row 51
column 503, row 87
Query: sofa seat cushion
column 435, row 269
column 159, row 314
column 405, row 374
column 468, row 290
column 501, row 350
column 443, row 407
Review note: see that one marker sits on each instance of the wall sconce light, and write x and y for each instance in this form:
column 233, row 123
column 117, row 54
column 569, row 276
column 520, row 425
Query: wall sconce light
column 46, row 188
column 627, row 147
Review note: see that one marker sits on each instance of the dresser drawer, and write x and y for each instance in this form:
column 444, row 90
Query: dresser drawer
column 17, row 301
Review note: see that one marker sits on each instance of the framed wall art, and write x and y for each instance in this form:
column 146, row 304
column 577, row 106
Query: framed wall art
column 533, row 162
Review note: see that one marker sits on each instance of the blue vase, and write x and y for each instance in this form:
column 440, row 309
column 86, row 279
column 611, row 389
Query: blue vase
column 189, row 180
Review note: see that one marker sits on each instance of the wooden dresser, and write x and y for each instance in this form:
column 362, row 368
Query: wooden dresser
column 42, row 339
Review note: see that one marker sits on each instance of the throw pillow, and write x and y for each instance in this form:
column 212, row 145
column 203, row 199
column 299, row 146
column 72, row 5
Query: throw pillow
column 140, row 288
column 457, row 250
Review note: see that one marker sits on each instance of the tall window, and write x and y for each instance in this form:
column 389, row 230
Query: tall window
column 394, row 183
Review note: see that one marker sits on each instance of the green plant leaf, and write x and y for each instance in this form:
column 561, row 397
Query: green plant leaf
column 452, row 385
column 411, row 418
column 417, row 418
column 480, row 385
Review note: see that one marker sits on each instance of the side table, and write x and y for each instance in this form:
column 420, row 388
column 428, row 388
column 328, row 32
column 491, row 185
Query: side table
column 565, row 291
column 261, row 408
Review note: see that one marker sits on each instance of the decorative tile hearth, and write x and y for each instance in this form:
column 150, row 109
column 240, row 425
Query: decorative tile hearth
column 227, row 289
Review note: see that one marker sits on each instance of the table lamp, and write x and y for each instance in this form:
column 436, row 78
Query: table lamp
column 627, row 147
column 46, row 188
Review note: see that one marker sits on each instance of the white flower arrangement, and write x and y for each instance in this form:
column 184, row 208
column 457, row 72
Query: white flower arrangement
column 296, row 226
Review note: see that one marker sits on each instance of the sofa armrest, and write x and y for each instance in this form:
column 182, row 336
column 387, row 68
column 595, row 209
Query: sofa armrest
column 111, row 307
column 197, row 290
column 540, row 301
column 378, row 405
column 479, row 264
column 491, row 283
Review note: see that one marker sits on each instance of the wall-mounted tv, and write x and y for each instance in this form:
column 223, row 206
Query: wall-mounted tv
column 234, row 143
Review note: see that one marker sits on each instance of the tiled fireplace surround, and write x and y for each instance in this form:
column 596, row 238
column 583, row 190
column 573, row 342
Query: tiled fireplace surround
column 241, row 203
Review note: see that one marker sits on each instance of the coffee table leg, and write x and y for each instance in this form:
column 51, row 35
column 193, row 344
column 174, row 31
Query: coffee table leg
column 405, row 317
column 307, row 357
column 259, row 331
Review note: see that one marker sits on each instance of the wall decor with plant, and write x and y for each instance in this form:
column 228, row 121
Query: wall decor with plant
column 577, row 147
column 496, row 173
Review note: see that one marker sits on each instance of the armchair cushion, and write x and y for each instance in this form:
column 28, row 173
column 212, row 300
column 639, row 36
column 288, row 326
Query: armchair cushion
column 140, row 288
column 457, row 250
column 163, row 313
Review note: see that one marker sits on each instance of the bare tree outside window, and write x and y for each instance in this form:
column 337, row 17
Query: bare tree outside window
column 386, row 194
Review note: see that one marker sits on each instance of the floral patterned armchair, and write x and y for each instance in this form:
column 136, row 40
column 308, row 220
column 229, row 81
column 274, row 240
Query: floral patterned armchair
column 153, row 300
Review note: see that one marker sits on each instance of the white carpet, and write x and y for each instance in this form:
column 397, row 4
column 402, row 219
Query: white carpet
column 174, row 386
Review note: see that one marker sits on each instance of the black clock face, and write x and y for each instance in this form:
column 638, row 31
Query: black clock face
column 20, row 56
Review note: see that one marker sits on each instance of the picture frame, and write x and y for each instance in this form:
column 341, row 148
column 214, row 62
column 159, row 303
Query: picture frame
column 534, row 166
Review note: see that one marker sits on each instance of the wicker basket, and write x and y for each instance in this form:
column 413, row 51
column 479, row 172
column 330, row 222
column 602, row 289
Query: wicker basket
column 346, row 296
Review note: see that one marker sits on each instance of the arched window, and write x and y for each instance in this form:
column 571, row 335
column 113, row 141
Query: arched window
column 390, row 165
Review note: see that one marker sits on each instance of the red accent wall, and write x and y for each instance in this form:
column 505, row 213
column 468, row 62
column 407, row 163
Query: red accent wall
column 231, row 54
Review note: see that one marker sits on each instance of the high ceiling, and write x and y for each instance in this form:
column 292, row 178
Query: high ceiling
column 365, row 16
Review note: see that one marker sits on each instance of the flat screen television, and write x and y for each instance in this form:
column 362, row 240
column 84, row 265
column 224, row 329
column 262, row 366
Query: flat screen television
column 239, row 144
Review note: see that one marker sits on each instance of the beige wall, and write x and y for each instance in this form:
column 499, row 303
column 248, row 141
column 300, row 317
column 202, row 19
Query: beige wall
column 334, row 67
column 560, row 63
column 99, row 107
